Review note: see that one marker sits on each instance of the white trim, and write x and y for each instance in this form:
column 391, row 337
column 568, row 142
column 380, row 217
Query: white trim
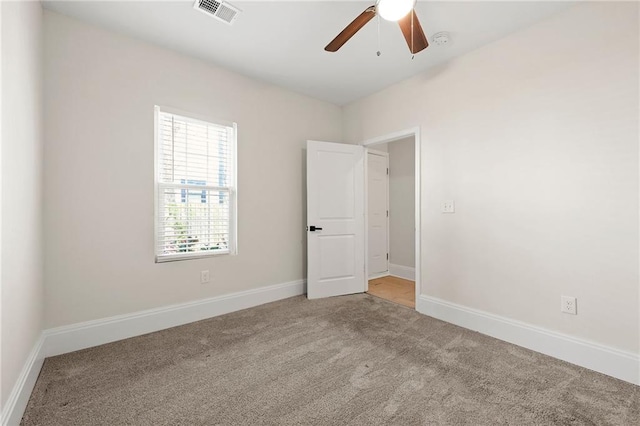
column 376, row 152
column 418, row 216
column 21, row 392
column 233, row 196
column 392, row 137
column 417, row 142
column 406, row 272
column 93, row 333
column 610, row 361
column 188, row 115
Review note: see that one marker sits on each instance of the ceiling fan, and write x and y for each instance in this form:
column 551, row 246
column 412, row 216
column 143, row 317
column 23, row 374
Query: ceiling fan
column 401, row 11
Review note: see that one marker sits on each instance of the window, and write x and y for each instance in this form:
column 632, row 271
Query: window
column 195, row 187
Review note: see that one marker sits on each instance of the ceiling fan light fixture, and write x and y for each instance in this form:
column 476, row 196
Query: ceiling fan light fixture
column 394, row 10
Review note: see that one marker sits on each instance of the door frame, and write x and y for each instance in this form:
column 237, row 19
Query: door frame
column 367, row 151
column 391, row 137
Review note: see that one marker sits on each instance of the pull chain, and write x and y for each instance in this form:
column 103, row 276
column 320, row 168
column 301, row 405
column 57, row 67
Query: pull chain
column 378, row 52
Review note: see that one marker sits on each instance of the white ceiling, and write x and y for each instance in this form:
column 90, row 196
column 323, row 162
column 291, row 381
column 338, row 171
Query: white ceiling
column 283, row 42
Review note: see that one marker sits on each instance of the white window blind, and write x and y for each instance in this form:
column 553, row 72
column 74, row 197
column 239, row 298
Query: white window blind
column 195, row 187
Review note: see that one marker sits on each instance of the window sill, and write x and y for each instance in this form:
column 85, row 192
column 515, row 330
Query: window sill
column 191, row 256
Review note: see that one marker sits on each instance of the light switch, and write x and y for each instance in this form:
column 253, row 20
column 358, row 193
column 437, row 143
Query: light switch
column 448, row 206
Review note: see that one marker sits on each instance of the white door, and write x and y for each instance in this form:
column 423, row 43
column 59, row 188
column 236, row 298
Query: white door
column 335, row 219
column 378, row 213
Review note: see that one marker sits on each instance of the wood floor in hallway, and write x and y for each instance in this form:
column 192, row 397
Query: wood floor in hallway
column 394, row 289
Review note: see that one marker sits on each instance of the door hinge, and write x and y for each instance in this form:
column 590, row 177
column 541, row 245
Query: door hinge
column 387, row 213
column 387, row 256
column 387, row 170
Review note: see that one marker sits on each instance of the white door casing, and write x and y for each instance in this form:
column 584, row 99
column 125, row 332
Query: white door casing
column 335, row 203
column 418, row 140
column 377, row 209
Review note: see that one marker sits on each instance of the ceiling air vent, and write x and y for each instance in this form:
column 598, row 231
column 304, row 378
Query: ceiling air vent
column 220, row 10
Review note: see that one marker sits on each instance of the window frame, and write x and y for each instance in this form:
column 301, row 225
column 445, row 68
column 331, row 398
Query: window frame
column 158, row 185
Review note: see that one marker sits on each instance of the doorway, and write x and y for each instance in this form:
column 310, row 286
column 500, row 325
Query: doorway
column 337, row 219
column 392, row 217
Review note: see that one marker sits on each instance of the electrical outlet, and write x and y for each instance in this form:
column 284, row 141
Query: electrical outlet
column 568, row 305
column 204, row 277
column 448, row 206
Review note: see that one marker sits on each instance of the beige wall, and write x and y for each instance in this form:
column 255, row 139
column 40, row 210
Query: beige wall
column 535, row 137
column 100, row 89
column 21, row 177
column 402, row 210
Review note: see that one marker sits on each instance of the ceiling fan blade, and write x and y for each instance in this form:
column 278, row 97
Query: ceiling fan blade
column 351, row 29
column 419, row 41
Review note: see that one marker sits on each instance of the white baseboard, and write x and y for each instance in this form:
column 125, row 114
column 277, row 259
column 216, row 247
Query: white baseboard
column 378, row 275
column 93, row 333
column 406, row 272
column 21, row 392
column 612, row 362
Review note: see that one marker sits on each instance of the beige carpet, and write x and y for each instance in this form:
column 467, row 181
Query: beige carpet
column 353, row 360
